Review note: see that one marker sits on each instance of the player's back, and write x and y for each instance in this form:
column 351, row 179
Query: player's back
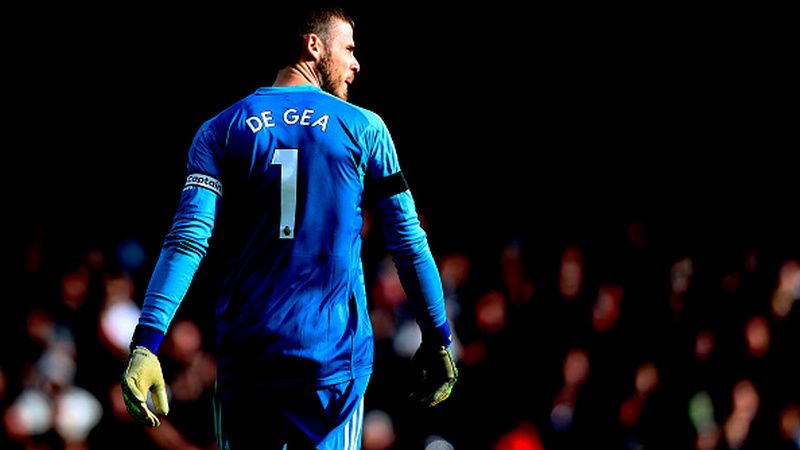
column 292, row 161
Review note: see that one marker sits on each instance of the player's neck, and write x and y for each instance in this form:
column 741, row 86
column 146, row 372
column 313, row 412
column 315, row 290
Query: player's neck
column 297, row 74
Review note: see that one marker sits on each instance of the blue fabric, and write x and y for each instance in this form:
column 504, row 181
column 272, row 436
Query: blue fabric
column 440, row 335
column 408, row 245
column 183, row 249
column 285, row 169
column 273, row 418
column 147, row 337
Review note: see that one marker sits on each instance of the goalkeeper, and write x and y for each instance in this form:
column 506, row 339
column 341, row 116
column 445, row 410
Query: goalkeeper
column 285, row 170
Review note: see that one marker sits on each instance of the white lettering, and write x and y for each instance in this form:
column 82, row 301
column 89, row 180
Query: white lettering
column 202, row 180
column 306, row 117
column 290, row 116
column 254, row 123
column 265, row 119
column 266, row 116
column 322, row 122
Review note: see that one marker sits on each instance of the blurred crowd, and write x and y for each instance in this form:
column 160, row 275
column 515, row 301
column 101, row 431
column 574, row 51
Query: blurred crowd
column 621, row 341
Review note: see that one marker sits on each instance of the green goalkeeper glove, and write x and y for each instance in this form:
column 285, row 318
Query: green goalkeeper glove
column 144, row 375
column 434, row 374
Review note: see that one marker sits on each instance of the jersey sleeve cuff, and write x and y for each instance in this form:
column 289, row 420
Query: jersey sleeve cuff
column 148, row 337
column 440, row 335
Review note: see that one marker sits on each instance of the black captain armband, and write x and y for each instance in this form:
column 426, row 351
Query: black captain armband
column 387, row 186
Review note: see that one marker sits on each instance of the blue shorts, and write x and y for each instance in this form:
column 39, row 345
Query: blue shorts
column 276, row 418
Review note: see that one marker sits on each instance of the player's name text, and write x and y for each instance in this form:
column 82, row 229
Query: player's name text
column 292, row 116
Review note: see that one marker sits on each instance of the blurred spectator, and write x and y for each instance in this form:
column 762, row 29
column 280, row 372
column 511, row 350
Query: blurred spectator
column 606, row 308
column 437, row 443
column 575, row 373
column 787, row 292
column 737, row 426
column 681, row 278
column 519, row 289
column 378, row 431
column 701, row 412
column 571, row 274
column 491, row 312
column 790, row 426
column 523, row 437
column 51, row 409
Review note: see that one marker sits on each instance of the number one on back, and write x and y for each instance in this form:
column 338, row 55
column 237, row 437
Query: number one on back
column 286, row 158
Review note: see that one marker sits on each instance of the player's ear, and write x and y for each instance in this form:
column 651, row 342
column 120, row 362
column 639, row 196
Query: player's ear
column 313, row 46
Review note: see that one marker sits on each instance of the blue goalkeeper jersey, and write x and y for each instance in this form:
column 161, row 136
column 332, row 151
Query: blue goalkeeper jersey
column 281, row 174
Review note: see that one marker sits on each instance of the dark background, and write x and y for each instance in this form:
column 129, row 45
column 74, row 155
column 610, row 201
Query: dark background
column 503, row 119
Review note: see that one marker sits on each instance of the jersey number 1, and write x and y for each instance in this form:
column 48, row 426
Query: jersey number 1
column 287, row 159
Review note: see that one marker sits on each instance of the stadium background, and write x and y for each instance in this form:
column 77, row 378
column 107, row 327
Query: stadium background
column 645, row 154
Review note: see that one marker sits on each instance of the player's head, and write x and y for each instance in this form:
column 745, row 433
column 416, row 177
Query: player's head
column 327, row 39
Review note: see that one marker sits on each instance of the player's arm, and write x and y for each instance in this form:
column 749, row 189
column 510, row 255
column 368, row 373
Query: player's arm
column 407, row 242
column 433, row 366
column 408, row 245
column 183, row 249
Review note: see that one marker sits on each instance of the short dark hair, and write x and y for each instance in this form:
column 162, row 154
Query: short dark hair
column 310, row 20
column 318, row 21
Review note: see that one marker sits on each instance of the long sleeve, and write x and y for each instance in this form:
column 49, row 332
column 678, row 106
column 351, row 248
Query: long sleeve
column 405, row 238
column 408, row 245
column 183, row 249
column 185, row 244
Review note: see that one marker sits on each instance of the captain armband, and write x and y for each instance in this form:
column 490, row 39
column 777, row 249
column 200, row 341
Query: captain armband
column 204, row 181
column 389, row 186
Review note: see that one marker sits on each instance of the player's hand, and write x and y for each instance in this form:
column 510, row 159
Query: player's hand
column 434, row 373
column 144, row 375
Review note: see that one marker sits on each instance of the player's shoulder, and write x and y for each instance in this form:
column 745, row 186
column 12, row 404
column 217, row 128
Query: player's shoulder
column 372, row 118
column 225, row 114
column 351, row 112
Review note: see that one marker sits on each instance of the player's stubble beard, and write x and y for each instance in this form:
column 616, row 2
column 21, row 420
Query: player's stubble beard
column 328, row 80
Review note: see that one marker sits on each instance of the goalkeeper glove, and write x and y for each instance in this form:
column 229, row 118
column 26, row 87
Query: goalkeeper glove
column 434, row 373
column 144, row 375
